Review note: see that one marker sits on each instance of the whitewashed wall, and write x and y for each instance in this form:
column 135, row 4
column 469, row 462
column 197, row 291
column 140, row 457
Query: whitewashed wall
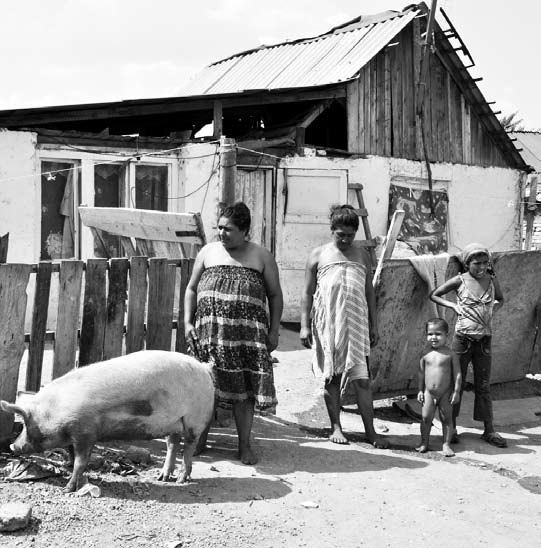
column 20, row 212
column 484, row 206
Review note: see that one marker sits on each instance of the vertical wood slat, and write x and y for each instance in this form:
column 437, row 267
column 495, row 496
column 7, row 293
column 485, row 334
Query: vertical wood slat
column 417, row 54
column 94, row 312
column 396, row 91
column 408, row 95
column 373, row 106
column 186, row 267
column 380, row 104
column 161, row 287
column 116, row 308
column 39, row 326
column 352, row 101
column 366, row 108
column 387, row 121
column 137, row 299
column 13, row 283
column 67, row 324
column 361, row 122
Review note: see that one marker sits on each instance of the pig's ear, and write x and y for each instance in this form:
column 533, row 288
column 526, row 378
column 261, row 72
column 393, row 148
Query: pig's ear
column 12, row 408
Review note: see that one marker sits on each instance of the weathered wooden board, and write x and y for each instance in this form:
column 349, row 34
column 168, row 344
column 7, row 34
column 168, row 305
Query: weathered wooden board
column 13, row 282
column 161, row 290
column 137, row 299
column 67, row 323
column 39, row 326
column 186, row 267
column 116, row 308
column 145, row 224
column 94, row 312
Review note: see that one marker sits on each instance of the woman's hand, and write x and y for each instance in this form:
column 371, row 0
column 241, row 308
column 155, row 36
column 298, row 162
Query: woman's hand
column 191, row 337
column 306, row 337
column 374, row 335
column 273, row 340
column 421, row 397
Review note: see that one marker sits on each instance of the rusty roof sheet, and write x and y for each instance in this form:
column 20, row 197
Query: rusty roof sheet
column 334, row 57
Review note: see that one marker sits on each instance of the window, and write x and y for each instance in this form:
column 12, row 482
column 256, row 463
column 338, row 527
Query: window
column 151, row 187
column 58, row 187
column 108, row 192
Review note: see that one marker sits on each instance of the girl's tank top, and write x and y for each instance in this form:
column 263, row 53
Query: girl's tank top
column 475, row 317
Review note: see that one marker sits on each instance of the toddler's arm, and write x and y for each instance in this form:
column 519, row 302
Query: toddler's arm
column 421, row 381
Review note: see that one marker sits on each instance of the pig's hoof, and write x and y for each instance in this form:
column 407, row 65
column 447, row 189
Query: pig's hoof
column 70, row 488
column 183, row 478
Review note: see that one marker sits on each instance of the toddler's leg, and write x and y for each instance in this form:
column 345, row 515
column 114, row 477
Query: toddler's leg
column 446, row 416
column 426, row 422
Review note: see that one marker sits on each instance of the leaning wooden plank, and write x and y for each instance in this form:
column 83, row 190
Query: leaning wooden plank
column 39, row 326
column 13, row 282
column 161, row 291
column 143, row 223
column 127, row 246
column 67, row 323
column 116, row 308
column 4, row 245
column 389, row 243
column 135, row 331
column 186, row 266
column 94, row 312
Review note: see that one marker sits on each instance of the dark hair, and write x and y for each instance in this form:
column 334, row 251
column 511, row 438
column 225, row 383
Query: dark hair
column 440, row 322
column 239, row 214
column 344, row 215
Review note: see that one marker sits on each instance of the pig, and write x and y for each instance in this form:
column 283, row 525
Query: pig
column 143, row 395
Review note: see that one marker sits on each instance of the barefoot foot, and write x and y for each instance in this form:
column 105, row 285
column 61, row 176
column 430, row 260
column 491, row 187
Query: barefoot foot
column 447, row 451
column 422, row 449
column 379, row 442
column 337, row 436
column 247, row 456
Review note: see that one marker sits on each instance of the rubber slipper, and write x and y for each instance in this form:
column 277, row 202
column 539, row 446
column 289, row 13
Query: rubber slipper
column 494, row 439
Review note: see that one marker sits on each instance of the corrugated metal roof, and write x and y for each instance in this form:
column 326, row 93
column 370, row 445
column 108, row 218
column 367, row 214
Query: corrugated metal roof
column 327, row 59
column 530, row 142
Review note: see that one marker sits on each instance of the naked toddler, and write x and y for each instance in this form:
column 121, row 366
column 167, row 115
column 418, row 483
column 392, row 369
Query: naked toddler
column 439, row 384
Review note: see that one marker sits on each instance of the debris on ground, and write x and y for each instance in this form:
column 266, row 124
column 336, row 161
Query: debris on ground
column 14, row 516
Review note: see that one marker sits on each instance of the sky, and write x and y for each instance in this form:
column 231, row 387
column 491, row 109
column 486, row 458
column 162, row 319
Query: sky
column 60, row 52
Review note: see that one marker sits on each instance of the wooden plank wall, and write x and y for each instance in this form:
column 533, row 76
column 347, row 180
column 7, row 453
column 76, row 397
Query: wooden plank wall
column 382, row 104
column 106, row 308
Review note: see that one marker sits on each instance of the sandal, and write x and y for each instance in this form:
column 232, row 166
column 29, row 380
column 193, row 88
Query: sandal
column 494, row 439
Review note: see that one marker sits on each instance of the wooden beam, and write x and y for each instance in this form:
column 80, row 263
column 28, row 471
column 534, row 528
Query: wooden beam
column 143, row 224
column 217, row 118
column 531, row 208
column 228, row 169
column 148, row 107
column 389, row 242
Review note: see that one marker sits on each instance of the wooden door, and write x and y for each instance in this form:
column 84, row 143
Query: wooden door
column 254, row 187
column 304, row 198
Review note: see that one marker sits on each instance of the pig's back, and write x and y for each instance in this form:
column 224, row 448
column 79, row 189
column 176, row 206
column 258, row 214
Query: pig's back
column 153, row 387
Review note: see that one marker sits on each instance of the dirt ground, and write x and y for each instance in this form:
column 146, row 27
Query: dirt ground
column 306, row 491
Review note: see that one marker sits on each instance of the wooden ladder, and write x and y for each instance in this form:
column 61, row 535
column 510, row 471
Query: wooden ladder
column 362, row 212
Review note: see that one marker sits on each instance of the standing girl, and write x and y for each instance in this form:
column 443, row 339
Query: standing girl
column 478, row 293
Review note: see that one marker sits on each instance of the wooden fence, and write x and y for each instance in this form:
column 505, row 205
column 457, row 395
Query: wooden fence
column 105, row 308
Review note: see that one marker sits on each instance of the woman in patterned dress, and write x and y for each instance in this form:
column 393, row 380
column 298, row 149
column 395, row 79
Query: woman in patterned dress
column 338, row 317
column 232, row 282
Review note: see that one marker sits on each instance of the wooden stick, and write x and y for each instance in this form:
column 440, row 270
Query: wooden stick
column 389, row 242
column 530, row 214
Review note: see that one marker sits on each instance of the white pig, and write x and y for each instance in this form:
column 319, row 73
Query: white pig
column 144, row 395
